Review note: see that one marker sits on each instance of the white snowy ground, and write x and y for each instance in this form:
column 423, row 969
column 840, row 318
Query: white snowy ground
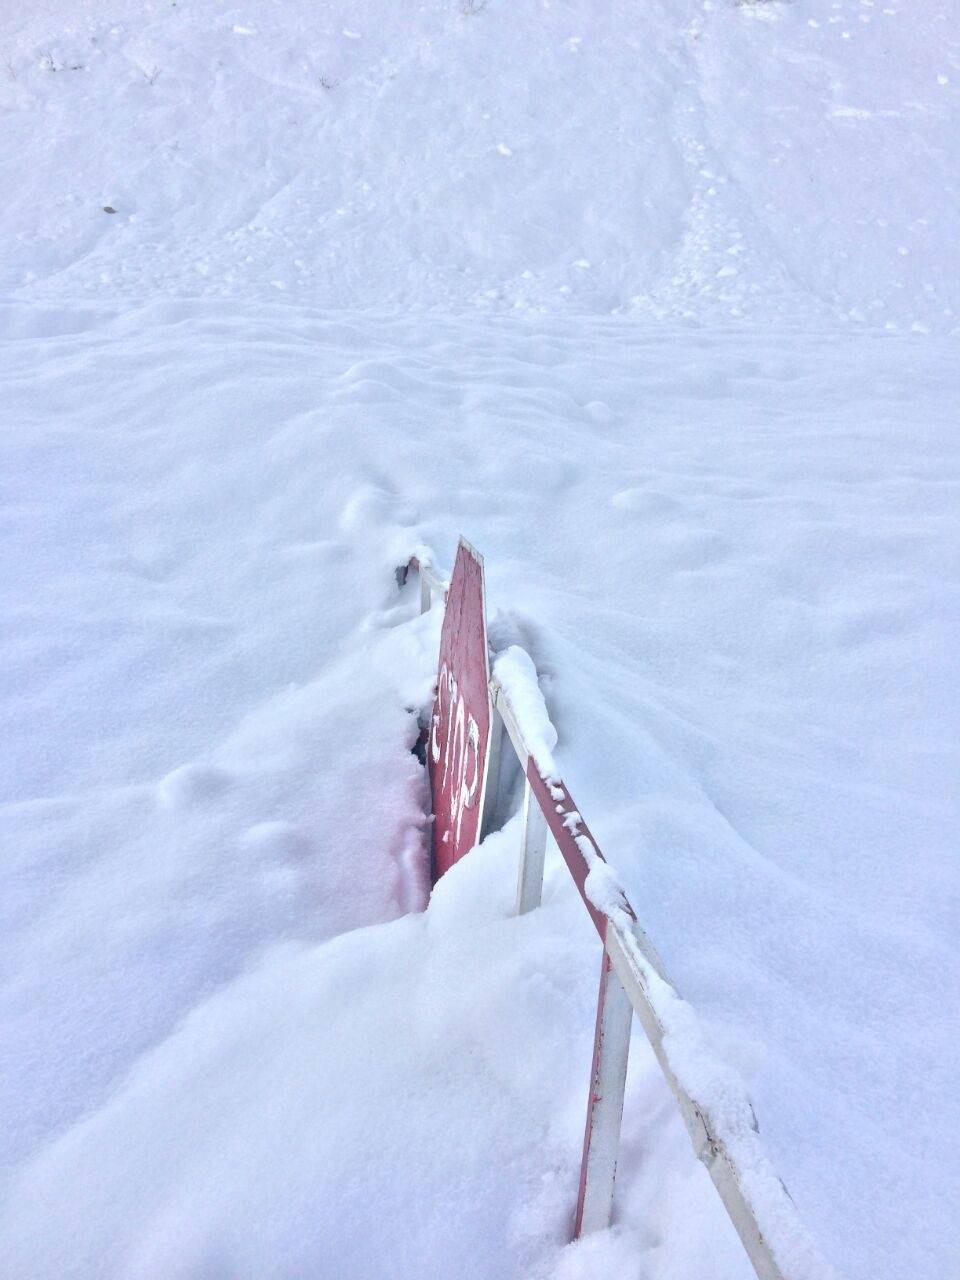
column 724, row 521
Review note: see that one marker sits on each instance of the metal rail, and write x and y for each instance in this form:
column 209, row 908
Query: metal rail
column 632, row 981
column 431, row 582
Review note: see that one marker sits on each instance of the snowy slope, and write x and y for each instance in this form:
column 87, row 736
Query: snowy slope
column 723, row 520
column 668, row 158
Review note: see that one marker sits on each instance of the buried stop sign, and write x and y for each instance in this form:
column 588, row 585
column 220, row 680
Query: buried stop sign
column 458, row 750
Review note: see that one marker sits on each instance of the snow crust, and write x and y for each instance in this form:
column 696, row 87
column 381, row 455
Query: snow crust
column 657, row 306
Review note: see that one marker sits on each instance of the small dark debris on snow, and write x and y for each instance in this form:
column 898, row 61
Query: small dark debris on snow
column 108, row 208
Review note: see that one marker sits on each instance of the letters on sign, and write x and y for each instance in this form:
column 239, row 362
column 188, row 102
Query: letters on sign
column 460, row 727
column 458, row 730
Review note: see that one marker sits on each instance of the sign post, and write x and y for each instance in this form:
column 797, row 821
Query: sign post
column 459, row 746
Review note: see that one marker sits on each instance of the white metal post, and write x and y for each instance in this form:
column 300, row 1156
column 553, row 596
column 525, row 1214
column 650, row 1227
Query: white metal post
column 601, row 1139
column 533, row 847
column 491, row 793
column 426, row 598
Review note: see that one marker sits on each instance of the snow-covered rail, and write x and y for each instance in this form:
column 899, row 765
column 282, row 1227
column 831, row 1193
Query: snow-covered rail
column 718, row 1115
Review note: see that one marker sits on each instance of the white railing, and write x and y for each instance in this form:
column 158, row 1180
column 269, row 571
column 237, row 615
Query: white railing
column 719, row 1120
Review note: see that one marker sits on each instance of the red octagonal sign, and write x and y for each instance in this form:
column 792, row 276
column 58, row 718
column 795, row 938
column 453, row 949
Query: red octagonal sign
column 460, row 730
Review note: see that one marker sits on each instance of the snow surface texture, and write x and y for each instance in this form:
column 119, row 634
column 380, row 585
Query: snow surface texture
column 711, row 160
column 722, row 520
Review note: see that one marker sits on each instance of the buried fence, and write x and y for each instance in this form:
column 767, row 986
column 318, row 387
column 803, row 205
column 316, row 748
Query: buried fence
column 473, row 713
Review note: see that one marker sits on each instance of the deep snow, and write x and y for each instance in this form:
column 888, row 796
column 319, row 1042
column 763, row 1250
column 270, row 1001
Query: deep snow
column 723, row 521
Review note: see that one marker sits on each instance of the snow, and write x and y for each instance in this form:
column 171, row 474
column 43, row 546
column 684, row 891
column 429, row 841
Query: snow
column 602, row 886
column 514, row 672
column 657, row 306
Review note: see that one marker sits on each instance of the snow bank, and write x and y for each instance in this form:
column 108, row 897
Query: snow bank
column 136, row 901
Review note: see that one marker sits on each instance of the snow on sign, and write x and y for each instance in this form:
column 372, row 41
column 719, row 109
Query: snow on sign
column 460, row 730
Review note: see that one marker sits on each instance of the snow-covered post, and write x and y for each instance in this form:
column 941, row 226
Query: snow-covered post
column 431, row 582
column 517, row 696
column 608, row 1075
column 548, row 805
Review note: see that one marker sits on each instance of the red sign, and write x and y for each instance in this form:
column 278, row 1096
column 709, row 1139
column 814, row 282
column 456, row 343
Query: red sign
column 460, row 730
